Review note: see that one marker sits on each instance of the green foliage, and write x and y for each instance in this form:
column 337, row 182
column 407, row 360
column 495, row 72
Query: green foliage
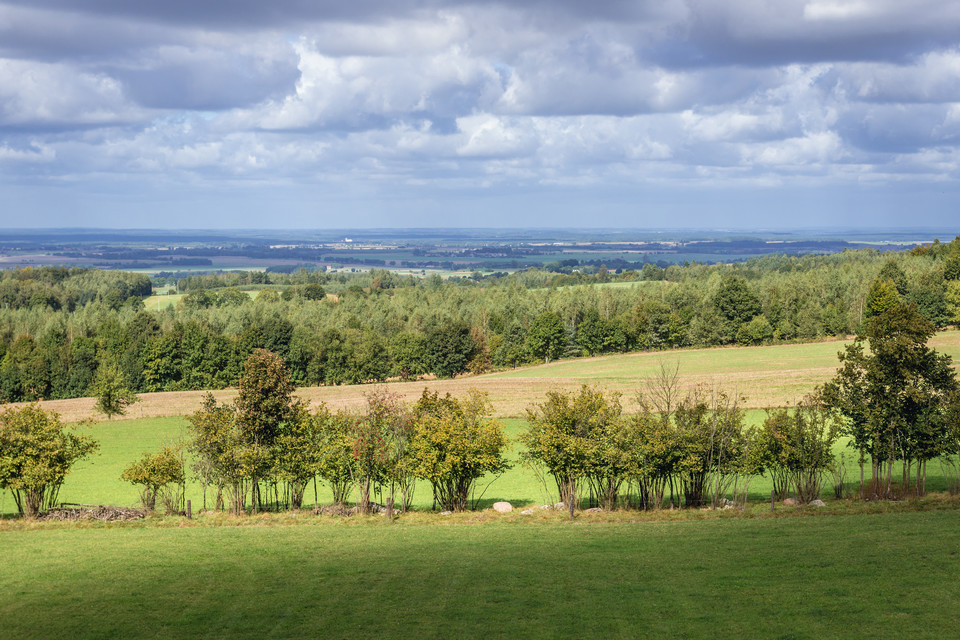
column 736, row 303
column 219, row 449
column 36, row 453
column 111, row 389
column 265, row 398
column 56, row 325
column 883, row 295
column 449, row 348
column 892, row 399
column 336, row 460
column 299, row 451
column 380, row 440
column 798, row 445
column 546, row 338
column 156, row 472
column 455, row 444
column 569, row 436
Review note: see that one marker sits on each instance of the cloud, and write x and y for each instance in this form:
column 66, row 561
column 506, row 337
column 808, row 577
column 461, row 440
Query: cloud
column 43, row 95
column 462, row 99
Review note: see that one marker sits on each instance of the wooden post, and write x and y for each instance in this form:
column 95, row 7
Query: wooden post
column 570, row 498
column 189, row 511
column 773, row 499
column 390, row 509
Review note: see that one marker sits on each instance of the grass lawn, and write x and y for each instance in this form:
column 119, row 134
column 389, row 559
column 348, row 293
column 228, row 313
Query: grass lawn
column 885, row 576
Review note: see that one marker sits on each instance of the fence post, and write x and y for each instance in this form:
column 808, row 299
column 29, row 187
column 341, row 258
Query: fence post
column 773, row 499
column 189, row 511
column 390, row 509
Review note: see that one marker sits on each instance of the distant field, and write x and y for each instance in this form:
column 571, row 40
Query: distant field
column 164, row 300
column 874, row 576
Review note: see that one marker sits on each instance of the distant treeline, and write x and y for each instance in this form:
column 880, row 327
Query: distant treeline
column 58, row 325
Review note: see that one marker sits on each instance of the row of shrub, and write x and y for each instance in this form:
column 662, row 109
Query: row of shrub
column 897, row 403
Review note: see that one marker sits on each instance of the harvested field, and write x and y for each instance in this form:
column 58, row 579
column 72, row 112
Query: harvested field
column 766, row 376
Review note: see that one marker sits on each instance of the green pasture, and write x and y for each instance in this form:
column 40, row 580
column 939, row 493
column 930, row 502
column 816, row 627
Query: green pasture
column 96, row 480
column 158, row 302
column 887, row 575
column 161, row 301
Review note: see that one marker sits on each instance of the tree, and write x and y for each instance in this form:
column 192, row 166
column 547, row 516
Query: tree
column 883, row 295
column 111, row 389
column 736, row 303
column 265, row 406
column 449, row 347
column 546, row 337
column 265, row 397
column 892, row 400
column 454, row 445
column 217, row 448
column 379, row 439
column 336, row 455
column 36, row 453
column 299, row 452
column 798, row 446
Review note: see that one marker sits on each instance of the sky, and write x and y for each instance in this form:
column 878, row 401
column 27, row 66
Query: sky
column 431, row 113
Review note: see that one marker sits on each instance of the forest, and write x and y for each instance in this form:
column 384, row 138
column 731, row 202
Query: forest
column 59, row 325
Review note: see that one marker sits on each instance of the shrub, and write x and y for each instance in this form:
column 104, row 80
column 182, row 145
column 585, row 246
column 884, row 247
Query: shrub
column 454, row 445
column 36, row 453
column 160, row 471
column 570, row 436
column 801, row 442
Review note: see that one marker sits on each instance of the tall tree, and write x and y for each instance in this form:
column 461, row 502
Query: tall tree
column 265, row 404
column 892, row 399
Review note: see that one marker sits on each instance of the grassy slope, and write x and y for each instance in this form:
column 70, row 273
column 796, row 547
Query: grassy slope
column 768, row 376
column 884, row 576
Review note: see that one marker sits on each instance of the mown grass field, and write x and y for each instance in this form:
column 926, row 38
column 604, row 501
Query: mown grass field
column 885, row 576
column 885, row 570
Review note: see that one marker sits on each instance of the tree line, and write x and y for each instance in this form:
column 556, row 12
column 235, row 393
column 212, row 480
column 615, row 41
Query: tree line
column 374, row 326
column 897, row 401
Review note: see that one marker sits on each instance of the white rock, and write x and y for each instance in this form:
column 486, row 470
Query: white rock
column 817, row 503
column 502, row 507
column 527, row 512
column 559, row 506
column 789, row 502
column 445, row 513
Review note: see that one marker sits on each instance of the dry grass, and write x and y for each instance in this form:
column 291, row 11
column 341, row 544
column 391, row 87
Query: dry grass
column 766, row 376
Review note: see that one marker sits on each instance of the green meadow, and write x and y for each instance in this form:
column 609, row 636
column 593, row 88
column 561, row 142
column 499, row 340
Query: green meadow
column 96, row 480
column 851, row 569
column 889, row 575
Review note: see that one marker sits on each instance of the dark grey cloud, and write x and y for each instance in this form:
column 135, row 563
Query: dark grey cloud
column 208, row 80
column 765, row 32
column 256, row 14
